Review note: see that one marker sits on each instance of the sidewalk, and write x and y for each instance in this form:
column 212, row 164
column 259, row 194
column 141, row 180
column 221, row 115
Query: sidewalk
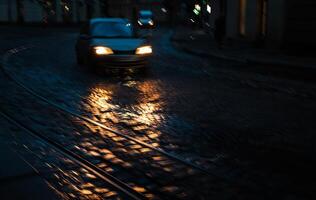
column 199, row 43
column 18, row 180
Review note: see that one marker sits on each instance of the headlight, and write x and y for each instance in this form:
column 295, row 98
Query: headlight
column 151, row 22
column 102, row 50
column 140, row 23
column 144, row 50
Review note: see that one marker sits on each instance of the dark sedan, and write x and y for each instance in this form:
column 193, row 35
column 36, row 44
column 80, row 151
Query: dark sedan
column 111, row 43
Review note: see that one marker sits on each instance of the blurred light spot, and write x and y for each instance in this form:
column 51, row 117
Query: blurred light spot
column 90, row 176
column 209, row 9
column 109, row 156
column 197, row 7
column 86, row 192
column 101, row 190
column 139, row 189
column 87, row 185
column 110, row 194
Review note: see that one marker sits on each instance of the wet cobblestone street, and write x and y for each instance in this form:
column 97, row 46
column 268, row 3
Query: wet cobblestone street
column 214, row 115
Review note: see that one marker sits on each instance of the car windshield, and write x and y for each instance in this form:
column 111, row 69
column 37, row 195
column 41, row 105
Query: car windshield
column 145, row 15
column 111, row 29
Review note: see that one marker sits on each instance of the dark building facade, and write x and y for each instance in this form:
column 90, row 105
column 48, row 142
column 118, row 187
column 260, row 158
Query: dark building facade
column 272, row 23
column 49, row 11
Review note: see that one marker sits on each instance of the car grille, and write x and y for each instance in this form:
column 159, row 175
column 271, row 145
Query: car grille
column 124, row 52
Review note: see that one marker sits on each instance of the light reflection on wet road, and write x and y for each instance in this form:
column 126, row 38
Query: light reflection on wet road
column 145, row 114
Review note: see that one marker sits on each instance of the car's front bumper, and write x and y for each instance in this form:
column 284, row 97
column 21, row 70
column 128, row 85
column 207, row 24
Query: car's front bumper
column 146, row 26
column 120, row 61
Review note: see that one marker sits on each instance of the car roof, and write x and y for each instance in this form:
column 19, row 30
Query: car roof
column 96, row 20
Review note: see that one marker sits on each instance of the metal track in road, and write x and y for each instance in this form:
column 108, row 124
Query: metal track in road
column 73, row 113
column 103, row 175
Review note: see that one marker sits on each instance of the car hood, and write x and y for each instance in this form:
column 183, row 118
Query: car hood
column 119, row 44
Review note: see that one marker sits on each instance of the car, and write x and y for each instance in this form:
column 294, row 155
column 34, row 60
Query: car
column 112, row 43
column 145, row 19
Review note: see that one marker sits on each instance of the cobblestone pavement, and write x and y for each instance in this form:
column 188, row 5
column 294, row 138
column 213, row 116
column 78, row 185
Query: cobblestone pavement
column 213, row 113
column 62, row 175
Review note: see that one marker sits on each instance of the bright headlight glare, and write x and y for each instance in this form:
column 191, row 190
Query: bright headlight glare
column 144, row 50
column 140, row 23
column 102, row 50
column 151, row 22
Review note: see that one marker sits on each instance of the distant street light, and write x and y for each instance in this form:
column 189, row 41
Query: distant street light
column 197, row 9
column 209, row 9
